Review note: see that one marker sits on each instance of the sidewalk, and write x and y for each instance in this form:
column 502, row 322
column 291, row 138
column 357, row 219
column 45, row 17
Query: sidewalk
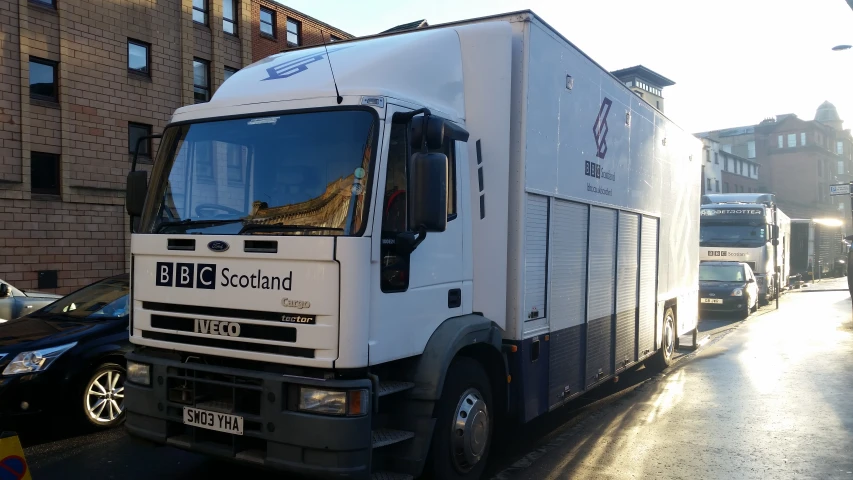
column 823, row 285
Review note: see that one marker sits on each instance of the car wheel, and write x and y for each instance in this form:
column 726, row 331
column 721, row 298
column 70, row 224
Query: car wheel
column 669, row 339
column 465, row 422
column 103, row 396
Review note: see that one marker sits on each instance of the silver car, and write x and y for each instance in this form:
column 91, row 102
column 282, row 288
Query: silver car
column 15, row 303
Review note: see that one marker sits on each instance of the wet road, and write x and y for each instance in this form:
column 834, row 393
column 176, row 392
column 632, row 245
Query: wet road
column 767, row 398
column 773, row 399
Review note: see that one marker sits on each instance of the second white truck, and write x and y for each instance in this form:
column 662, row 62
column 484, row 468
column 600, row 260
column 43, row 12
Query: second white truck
column 749, row 228
column 353, row 262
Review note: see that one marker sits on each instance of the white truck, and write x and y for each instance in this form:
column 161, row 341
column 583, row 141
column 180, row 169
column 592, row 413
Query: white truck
column 749, row 228
column 356, row 258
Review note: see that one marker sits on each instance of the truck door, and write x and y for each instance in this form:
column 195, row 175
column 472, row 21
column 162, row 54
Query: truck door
column 418, row 291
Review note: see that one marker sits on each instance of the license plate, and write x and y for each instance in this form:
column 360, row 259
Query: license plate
column 711, row 300
column 220, row 422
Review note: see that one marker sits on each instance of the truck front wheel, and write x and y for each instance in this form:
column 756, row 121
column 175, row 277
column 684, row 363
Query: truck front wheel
column 465, row 420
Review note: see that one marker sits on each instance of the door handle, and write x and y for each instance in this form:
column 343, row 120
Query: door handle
column 454, row 298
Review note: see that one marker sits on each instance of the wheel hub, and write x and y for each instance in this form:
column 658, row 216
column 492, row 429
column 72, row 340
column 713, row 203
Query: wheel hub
column 470, row 430
column 669, row 343
column 104, row 400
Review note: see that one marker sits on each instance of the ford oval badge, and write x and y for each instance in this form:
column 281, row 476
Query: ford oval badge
column 217, row 246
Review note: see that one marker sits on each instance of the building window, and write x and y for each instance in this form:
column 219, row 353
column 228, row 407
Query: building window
column 200, row 11
column 294, row 32
column 135, row 131
column 201, row 80
column 46, row 3
column 229, row 16
column 780, row 141
column 727, row 148
column 717, row 184
column 657, row 104
column 820, row 168
column 333, row 38
column 267, row 22
column 740, row 167
column 841, row 168
column 44, row 173
column 792, row 140
column 802, row 139
column 708, row 188
column 716, row 158
column 43, row 81
column 725, row 187
column 707, row 155
column 138, row 57
column 750, row 149
column 228, row 72
column 839, row 148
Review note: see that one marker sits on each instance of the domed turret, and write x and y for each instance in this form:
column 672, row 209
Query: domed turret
column 827, row 114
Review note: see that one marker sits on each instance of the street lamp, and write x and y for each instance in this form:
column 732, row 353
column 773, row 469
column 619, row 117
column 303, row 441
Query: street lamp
column 828, row 222
column 839, row 48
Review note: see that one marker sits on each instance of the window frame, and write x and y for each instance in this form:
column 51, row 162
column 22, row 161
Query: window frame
column 791, row 144
column 55, row 66
column 57, row 191
column 272, row 25
column 226, row 69
column 147, row 46
column 205, row 11
column 207, row 79
column 232, row 21
column 298, row 32
column 45, row 3
column 147, row 143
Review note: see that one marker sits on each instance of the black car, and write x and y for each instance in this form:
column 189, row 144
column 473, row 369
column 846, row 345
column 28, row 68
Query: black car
column 727, row 287
column 69, row 356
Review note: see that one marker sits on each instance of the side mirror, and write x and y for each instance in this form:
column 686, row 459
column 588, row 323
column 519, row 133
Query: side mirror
column 774, row 232
column 775, row 242
column 4, row 290
column 849, row 238
column 428, row 192
column 751, row 280
column 137, row 187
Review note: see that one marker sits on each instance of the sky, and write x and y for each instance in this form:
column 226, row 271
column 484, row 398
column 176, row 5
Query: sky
column 734, row 62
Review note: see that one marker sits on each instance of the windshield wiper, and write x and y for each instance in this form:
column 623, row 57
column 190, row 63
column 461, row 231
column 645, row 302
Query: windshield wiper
column 262, row 227
column 190, row 222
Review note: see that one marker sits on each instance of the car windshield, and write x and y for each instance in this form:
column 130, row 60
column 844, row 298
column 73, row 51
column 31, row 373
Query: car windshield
column 304, row 173
column 719, row 235
column 105, row 299
column 721, row 273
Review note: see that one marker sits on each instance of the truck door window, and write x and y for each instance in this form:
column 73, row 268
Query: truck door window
column 395, row 267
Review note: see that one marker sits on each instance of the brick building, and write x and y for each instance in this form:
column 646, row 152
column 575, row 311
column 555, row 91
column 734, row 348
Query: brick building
column 280, row 28
column 798, row 160
column 79, row 82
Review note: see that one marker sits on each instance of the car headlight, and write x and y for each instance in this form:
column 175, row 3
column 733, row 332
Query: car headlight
column 333, row 402
column 738, row 292
column 139, row 373
column 36, row 360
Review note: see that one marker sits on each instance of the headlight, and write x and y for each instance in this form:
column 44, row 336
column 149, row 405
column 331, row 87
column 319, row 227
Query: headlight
column 139, row 373
column 36, row 360
column 333, row 402
column 738, row 292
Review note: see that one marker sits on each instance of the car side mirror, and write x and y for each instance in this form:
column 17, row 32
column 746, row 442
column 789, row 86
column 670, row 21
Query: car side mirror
column 4, row 290
column 428, row 187
column 751, row 280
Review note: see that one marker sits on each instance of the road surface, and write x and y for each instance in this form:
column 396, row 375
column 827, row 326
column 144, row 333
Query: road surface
column 768, row 398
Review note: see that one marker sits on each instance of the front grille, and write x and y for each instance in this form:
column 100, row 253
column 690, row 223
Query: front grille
column 261, row 332
column 230, row 344
column 212, row 311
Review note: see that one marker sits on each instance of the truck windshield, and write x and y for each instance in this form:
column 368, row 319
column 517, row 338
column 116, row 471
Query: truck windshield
column 721, row 235
column 289, row 174
column 721, row 273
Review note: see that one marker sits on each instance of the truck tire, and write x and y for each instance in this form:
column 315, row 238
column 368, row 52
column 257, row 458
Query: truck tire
column 663, row 357
column 465, row 423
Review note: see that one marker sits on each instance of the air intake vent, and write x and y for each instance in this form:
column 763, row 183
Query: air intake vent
column 181, row 244
column 260, row 246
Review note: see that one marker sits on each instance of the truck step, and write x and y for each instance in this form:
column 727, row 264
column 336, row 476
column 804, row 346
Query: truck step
column 386, row 436
column 391, row 476
column 389, row 387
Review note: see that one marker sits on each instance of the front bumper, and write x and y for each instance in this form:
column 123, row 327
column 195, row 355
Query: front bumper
column 275, row 435
column 730, row 304
column 39, row 392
